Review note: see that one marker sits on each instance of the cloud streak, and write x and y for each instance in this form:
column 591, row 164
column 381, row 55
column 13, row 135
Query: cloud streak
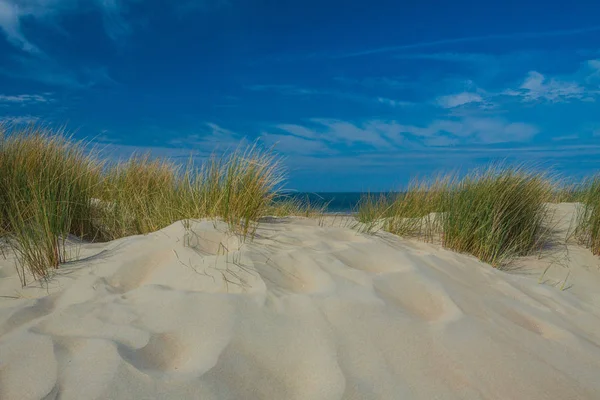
column 469, row 39
column 12, row 12
column 459, row 99
column 293, row 90
column 25, row 99
column 322, row 136
column 537, row 87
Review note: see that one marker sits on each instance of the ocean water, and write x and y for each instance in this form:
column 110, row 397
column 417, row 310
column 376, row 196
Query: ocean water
column 339, row 202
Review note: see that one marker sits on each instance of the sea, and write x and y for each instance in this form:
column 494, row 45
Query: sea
column 334, row 202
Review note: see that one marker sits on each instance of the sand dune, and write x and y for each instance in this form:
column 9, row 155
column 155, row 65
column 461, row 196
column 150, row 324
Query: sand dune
column 302, row 312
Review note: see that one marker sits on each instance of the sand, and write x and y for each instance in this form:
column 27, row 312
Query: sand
column 310, row 309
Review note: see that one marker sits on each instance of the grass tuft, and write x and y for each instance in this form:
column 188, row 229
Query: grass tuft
column 494, row 214
column 588, row 216
column 46, row 190
column 52, row 187
column 497, row 214
column 285, row 205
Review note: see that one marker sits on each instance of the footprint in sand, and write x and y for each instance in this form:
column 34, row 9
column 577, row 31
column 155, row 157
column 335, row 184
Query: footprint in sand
column 417, row 296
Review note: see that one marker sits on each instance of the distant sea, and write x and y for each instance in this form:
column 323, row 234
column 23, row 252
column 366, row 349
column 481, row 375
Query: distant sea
column 334, row 202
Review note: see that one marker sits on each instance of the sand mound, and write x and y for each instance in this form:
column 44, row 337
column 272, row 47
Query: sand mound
column 302, row 312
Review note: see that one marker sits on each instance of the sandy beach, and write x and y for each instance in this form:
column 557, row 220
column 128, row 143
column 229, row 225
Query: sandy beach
column 310, row 309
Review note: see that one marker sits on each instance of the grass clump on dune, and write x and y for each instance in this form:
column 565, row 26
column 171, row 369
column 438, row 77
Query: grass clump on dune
column 568, row 193
column 494, row 214
column 52, row 187
column 406, row 213
column 285, row 205
column 46, row 189
column 137, row 196
column 588, row 215
column 415, row 213
column 497, row 214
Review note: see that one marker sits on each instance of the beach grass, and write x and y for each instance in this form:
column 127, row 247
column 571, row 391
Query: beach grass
column 53, row 187
column 285, row 205
column 495, row 213
column 407, row 213
column 46, row 187
column 588, row 216
column 567, row 192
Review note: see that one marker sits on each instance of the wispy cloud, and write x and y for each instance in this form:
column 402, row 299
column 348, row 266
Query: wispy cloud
column 350, row 133
column 24, row 99
column 12, row 12
column 537, row 87
column 290, row 144
column 394, row 103
column 298, row 130
column 470, row 39
column 593, row 76
column 10, row 23
column 476, row 130
column 582, row 85
column 565, row 138
column 375, row 135
column 459, row 99
column 293, row 90
column 209, row 137
column 323, row 133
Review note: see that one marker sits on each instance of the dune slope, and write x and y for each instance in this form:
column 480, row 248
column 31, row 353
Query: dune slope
column 302, row 312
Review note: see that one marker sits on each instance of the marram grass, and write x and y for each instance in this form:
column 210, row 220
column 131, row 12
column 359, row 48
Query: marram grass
column 588, row 215
column 46, row 187
column 495, row 214
column 52, row 187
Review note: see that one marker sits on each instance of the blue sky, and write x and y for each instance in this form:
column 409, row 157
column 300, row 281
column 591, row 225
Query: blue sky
column 355, row 95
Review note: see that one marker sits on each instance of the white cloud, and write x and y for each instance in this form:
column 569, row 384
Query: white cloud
column 594, row 71
column 394, row 103
column 565, row 138
column 594, row 64
column 582, row 85
column 10, row 23
column 293, row 145
column 12, row 12
column 349, row 133
column 25, row 98
column 335, row 132
column 537, row 87
column 211, row 137
column 297, row 130
column 459, row 99
column 386, row 136
column 481, row 130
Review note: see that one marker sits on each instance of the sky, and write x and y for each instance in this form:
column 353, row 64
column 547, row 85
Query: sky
column 353, row 95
